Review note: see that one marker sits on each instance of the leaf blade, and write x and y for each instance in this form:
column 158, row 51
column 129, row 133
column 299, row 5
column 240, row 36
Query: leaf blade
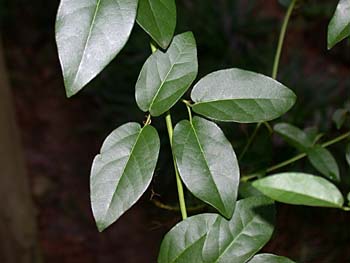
column 104, row 28
column 158, row 19
column 293, row 135
column 300, row 189
column 324, row 162
column 165, row 77
column 339, row 26
column 122, row 172
column 270, row 258
column 207, row 163
column 241, row 96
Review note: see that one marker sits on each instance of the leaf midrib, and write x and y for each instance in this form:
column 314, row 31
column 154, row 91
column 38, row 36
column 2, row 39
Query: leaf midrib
column 87, row 41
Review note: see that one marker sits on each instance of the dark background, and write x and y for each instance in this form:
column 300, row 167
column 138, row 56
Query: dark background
column 60, row 137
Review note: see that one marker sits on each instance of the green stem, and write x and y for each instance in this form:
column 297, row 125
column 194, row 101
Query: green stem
column 274, row 70
column 180, row 189
column 281, row 39
column 297, row 157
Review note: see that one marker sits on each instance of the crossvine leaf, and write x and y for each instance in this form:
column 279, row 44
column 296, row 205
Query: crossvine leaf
column 196, row 238
column 347, row 153
column 339, row 27
column 241, row 96
column 237, row 240
column 165, row 77
column 122, row 172
column 207, row 163
column 324, row 162
column 89, row 34
column 294, row 136
column 339, row 117
column 269, row 258
column 300, row 189
column 158, row 19
column 184, row 242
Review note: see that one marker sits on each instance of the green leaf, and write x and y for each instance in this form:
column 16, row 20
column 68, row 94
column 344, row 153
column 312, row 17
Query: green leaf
column 184, row 242
column 158, row 19
column 339, row 27
column 246, row 189
column 269, row 258
column 241, row 96
column 207, row 163
column 122, row 172
column 248, row 230
column 323, row 161
column 89, row 34
column 165, row 77
column 300, row 189
column 339, row 117
column 347, row 153
column 237, row 240
column 294, row 136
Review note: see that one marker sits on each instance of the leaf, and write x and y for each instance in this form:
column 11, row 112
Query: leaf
column 207, row 163
column 241, row 96
column 300, row 189
column 269, row 258
column 237, row 240
column 165, row 77
column 294, row 136
column 251, row 225
column 339, row 27
column 339, row 117
column 247, row 190
column 323, row 161
column 158, row 19
column 184, row 242
column 122, row 172
column 347, row 153
column 89, row 34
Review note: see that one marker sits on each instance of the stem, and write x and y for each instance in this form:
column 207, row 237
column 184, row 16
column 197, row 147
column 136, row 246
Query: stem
column 250, row 140
column 180, row 190
column 281, row 39
column 298, row 157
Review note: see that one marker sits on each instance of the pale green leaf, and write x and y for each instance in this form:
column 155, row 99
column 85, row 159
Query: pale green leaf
column 207, row 163
column 269, row 258
column 122, row 172
column 339, row 27
column 324, row 162
column 300, row 189
column 89, row 34
column 165, row 77
column 241, row 96
column 196, row 238
column 237, row 240
column 158, row 19
column 347, row 153
column 293, row 135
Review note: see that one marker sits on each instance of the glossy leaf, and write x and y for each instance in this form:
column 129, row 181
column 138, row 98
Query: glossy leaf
column 122, row 172
column 300, row 189
column 269, row 258
column 339, row 27
column 89, row 34
column 195, row 239
column 293, row 135
column 207, row 163
column 241, row 96
column 184, row 242
column 237, row 240
column 158, row 19
column 347, row 153
column 324, row 162
column 165, row 77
